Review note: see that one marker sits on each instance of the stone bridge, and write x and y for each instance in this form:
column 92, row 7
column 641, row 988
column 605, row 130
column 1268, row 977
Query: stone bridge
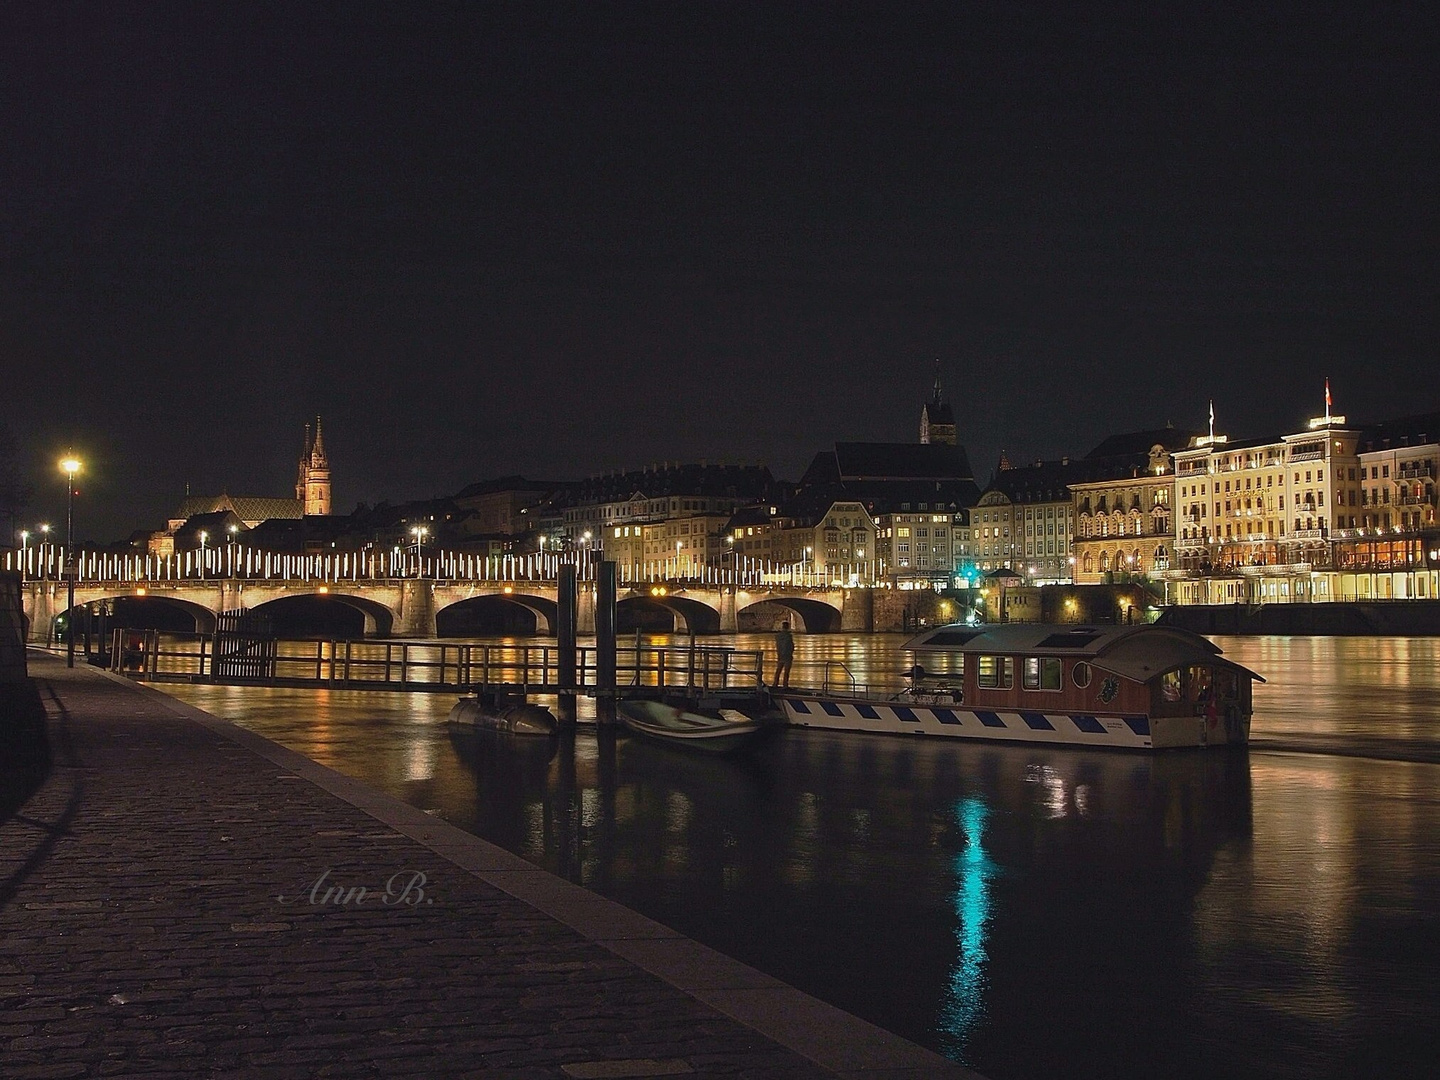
column 418, row 607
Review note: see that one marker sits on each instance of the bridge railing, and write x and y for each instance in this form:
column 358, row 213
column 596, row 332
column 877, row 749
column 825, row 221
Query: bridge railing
column 238, row 562
column 433, row 665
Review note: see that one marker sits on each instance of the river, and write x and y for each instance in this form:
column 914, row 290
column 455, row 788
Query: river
column 1030, row 912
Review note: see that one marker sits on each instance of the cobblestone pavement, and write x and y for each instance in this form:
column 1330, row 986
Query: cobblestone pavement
column 175, row 900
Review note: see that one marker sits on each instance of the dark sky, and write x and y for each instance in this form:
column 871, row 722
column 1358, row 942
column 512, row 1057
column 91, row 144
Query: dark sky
column 554, row 239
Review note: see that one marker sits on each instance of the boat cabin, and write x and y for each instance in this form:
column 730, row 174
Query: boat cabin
column 1144, row 670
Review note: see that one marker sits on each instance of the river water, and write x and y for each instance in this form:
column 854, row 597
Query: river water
column 1030, row 912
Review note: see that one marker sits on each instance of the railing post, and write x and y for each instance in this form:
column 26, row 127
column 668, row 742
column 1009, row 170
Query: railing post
column 566, row 621
column 605, row 601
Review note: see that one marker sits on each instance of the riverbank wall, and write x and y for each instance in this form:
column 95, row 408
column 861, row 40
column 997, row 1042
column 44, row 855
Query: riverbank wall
column 1400, row 618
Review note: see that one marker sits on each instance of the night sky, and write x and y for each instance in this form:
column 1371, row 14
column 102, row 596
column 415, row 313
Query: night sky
column 555, row 240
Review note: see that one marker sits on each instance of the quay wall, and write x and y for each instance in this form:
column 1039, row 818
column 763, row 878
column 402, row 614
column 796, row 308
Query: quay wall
column 1377, row 618
column 12, row 629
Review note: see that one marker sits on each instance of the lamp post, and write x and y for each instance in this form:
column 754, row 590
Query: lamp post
column 70, row 466
column 419, row 532
column 203, row 537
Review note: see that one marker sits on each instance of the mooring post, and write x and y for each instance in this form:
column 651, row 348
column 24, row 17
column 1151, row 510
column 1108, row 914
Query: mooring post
column 566, row 621
column 605, row 643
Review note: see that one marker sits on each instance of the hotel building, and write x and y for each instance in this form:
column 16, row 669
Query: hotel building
column 1333, row 512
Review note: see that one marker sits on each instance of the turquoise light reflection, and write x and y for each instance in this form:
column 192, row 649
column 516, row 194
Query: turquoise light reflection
column 964, row 1004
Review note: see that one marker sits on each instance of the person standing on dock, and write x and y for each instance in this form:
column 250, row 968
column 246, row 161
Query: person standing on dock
column 784, row 654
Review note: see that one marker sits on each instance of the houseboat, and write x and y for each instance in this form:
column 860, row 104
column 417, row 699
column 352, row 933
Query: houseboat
column 1134, row 687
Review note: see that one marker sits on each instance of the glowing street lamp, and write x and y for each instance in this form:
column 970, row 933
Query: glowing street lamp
column 419, row 532
column 70, row 465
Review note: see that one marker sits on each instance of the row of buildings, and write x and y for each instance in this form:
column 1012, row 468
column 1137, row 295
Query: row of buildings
column 1330, row 511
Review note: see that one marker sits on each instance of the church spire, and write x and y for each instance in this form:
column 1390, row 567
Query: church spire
column 316, row 454
column 937, row 419
column 312, row 485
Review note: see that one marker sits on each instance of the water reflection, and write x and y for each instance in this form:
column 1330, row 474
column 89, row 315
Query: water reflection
column 965, row 1003
column 1032, row 911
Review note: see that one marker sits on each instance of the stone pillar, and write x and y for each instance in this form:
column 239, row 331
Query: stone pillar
column 42, row 609
column 12, row 629
column 417, row 609
column 857, row 610
column 729, row 622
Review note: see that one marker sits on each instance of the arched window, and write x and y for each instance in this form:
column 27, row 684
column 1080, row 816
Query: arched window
column 1104, row 562
column 1089, row 563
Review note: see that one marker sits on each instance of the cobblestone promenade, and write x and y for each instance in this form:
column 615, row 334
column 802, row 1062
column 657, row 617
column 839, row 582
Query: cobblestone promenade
column 180, row 897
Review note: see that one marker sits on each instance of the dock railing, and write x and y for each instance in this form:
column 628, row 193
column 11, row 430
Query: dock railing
column 432, row 665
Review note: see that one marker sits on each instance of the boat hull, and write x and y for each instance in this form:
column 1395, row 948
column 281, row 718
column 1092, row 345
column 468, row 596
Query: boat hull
column 1118, row 731
column 690, row 731
column 514, row 718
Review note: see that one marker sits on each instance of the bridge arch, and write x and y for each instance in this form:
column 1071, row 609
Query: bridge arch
column 494, row 613
column 154, row 611
column 327, row 614
column 810, row 616
column 687, row 616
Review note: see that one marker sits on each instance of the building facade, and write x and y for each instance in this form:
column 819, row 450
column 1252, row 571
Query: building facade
column 1124, row 526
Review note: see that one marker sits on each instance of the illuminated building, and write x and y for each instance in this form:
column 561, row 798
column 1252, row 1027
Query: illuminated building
column 312, row 485
column 1333, row 512
column 1124, row 517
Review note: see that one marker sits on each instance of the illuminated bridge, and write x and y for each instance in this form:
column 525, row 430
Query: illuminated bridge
column 396, row 594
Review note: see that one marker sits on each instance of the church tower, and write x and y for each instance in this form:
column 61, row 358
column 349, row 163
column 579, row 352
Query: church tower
column 312, row 485
column 937, row 419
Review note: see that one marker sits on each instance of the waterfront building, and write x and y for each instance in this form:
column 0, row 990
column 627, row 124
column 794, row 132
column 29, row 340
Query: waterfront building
column 592, row 508
column 1332, row 512
column 1255, row 519
column 916, row 546
column 1025, row 521
column 673, row 547
column 1124, row 510
column 505, row 506
column 909, row 492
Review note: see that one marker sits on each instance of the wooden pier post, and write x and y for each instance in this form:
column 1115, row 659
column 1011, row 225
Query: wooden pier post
column 605, row 601
column 566, row 621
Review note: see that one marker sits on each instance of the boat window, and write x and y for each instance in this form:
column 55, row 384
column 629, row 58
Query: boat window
column 1041, row 673
column 997, row 672
column 1080, row 675
column 1170, row 685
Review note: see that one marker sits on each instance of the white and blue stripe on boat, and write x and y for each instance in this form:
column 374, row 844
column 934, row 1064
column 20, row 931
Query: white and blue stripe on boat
column 901, row 717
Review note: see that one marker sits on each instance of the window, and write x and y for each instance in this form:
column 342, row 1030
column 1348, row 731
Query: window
column 1041, row 673
column 997, row 672
column 1080, row 674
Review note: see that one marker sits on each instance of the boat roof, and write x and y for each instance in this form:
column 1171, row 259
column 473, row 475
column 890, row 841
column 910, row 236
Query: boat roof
column 1136, row 652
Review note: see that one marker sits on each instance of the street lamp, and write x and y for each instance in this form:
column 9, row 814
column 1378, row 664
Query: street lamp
column 70, row 465
column 419, row 532
column 203, row 537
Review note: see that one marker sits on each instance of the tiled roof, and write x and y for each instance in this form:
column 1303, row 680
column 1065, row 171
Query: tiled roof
column 901, row 461
column 246, row 507
column 1138, row 443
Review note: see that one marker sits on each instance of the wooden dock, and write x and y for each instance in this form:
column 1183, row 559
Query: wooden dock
column 689, row 671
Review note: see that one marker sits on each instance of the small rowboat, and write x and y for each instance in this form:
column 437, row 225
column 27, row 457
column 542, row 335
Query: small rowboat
column 724, row 734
